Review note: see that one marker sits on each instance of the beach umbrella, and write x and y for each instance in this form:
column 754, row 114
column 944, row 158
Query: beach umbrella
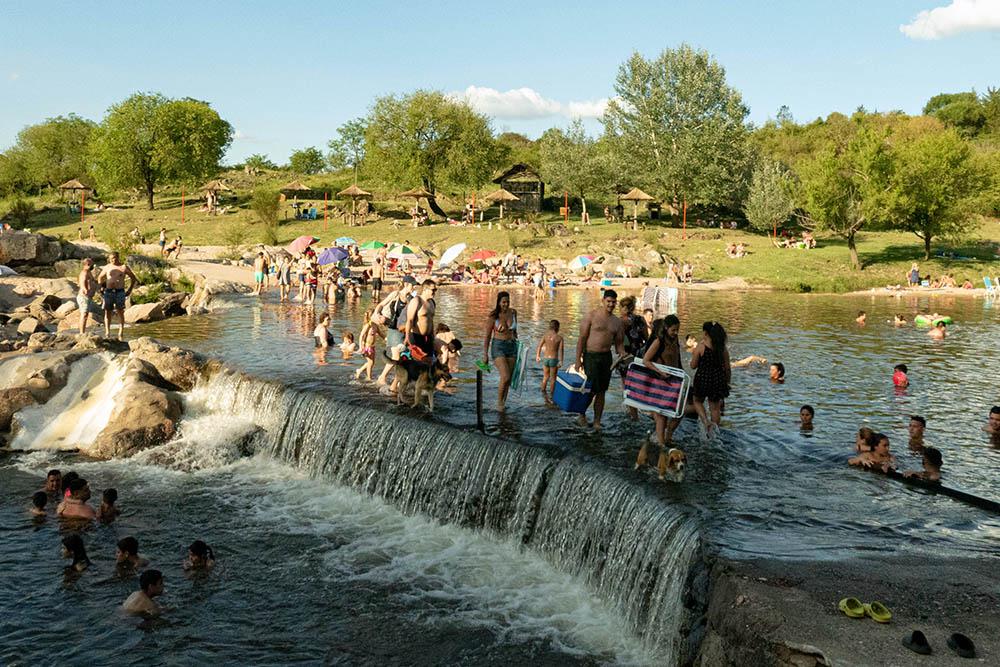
column 296, row 186
column 345, row 241
column 73, row 184
column 501, row 196
column 215, row 186
column 372, row 245
column 451, row 254
column 299, row 245
column 580, row 261
column 635, row 195
column 331, row 256
column 417, row 193
column 482, row 255
column 400, row 251
column 354, row 193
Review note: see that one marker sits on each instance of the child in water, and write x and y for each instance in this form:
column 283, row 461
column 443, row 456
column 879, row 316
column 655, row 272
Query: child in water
column 348, row 346
column 551, row 345
column 107, row 512
column 932, row 466
column 200, row 556
column 370, row 333
column 806, row 414
column 38, row 503
column 899, row 377
column 861, row 445
column 777, row 372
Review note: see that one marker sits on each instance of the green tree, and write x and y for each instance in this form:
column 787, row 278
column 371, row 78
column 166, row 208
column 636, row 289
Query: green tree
column 520, row 149
column 845, row 188
column 13, row 172
column 431, row 139
column 963, row 111
column 259, row 161
column 572, row 161
column 933, row 184
column 991, row 109
column 679, row 128
column 266, row 205
column 347, row 149
column 149, row 138
column 55, row 150
column 770, row 200
column 307, row 161
column 21, row 210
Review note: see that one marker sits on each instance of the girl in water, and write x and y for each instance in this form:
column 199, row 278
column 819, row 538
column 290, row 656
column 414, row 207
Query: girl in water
column 713, row 374
column 501, row 343
column 200, row 556
column 370, row 333
column 72, row 547
column 664, row 348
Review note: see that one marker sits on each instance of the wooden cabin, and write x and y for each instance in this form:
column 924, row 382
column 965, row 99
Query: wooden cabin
column 525, row 183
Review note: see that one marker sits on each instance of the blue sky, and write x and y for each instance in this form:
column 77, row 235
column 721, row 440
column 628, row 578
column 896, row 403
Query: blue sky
column 287, row 74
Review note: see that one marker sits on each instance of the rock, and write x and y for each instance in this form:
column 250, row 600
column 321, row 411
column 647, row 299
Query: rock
column 46, row 303
column 40, row 339
column 146, row 416
column 65, row 309
column 12, row 401
column 173, row 304
column 48, row 252
column 68, row 268
column 44, row 374
column 181, row 367
column 30, row 325
column 19, row 248
column 144, row 312
column 653, row 257
column 96, row 319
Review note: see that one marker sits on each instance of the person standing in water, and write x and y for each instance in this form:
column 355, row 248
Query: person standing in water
column 713, row 375
column 112, row 279
column 88, row 286
column 284, row 268
column 552, row 345
column 501, row 344
column 419, row 327
column 600, row 331
column 664, row 349
column 378, row 276
column 141, row 602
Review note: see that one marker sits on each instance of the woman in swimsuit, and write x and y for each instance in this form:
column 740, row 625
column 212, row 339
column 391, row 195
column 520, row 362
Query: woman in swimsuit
column 664, row 348
column 501, row 343
column 712, row 375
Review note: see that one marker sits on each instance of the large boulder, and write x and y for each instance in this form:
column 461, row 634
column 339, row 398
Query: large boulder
column 44, row 374
column 30, row 325
column 173, row 304
column 67, row 308
column 44, row 305
column 143, row 312
column 68, row 268
column 19, row 248
column 146, row 416
column 181, row 367
column 12, row 401
column 49, row 252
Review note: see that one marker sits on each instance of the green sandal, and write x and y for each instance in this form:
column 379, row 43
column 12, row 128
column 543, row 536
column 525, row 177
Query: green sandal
column 879, row 612
column 852, row 607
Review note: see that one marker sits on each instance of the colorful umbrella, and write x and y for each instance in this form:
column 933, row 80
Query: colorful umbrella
column 481, row 255
column 372, row 245
column 331, row 256
column 580, row 261
column 299, row 245
column 451, row 254
column 345, row 241
column 400, row 251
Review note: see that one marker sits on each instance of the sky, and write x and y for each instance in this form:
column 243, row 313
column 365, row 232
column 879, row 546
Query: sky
column 286, row 75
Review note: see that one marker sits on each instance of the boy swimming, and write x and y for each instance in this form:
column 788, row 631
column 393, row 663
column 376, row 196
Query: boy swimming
column 551, row 345
column 932, row 466
column 899, row 378
column 38, row 501
column 107, row 511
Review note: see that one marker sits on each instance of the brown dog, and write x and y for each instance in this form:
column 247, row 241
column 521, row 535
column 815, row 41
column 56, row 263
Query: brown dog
column 425, row 378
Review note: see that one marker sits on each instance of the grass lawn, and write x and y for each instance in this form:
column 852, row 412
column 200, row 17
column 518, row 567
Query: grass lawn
column 886, row 255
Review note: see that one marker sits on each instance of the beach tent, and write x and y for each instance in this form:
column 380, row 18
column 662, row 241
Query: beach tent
column 501, row 196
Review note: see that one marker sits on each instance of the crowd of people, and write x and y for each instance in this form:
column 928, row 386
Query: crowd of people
column 71, row 494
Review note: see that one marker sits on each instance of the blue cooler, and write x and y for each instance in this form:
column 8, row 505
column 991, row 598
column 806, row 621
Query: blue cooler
column 606, row 282
column 572, row 392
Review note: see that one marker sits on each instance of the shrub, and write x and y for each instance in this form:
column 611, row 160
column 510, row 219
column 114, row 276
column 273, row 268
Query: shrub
column 184, row 284
column 21, row 210
column 266, row 205
column 117, row 235
column 150, row 296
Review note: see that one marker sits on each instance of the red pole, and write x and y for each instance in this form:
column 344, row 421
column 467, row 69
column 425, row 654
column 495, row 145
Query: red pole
column 326, row 220
column 685, row 233
column 83, row 205
column 566, row 207
column 182, row 206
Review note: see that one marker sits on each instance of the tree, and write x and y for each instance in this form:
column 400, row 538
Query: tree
column 55, row 150
column 348, row 148
column 680, row 127
column 307, row 161
column 991, row 109
column 770, row 200
column 845, row 187
column 431, row 139
column 266, row 205
column 570, row 160
column 259, row 161
column 963, row 111
column 933, row 184
column 520, row 149
column 149, row 138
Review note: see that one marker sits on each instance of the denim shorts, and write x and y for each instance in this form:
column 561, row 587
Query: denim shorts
column 114, row 299
column 503, row 348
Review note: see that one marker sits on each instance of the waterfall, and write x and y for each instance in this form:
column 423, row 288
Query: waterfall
column 634, row 549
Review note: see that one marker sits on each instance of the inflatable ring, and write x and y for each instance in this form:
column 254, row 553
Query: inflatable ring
column 925, row 321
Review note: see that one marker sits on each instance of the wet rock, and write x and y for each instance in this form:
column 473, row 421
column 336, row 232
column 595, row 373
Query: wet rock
column 30, row 325
column 143, row 312
column 181, row 367
column 146, row 416
column 173, row 304
column 12, row 401
column 65, row 309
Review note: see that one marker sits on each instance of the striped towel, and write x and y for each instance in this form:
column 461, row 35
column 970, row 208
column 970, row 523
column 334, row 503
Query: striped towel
column 645, row 386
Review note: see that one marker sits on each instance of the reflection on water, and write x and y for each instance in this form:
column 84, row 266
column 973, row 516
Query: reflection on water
column 765, row 488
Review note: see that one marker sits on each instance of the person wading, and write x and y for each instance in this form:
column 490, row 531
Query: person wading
column 600, row 330
column 501, row 343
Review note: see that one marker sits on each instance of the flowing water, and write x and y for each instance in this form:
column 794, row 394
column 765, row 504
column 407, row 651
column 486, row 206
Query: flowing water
column 365, row 533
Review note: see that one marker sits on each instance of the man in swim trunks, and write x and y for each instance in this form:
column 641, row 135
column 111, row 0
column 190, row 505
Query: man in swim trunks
column 938, row 332
column 259, row 271
column 600, row 330
column 112, row 280
column 378, row 275
column 88, row 286
column 419, row 327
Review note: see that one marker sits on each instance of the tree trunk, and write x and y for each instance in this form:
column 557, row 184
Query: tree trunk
column 927, row 247
column 149, row 193
column 853, row 247
column 431, row 202
column 583, row 213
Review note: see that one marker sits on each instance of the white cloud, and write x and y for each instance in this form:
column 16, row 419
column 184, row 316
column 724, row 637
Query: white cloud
column 526, row 103
column 958, row 17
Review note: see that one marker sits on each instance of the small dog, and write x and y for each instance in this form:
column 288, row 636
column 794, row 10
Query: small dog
column 425, row 378
column 672, row 465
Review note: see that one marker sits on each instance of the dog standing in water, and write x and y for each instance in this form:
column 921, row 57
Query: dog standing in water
column 425, row 378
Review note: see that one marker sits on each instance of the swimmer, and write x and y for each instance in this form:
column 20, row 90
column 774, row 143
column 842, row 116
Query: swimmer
column 72, row 547
column 370, row 333
column 67, row 479
column 141, row 602
column 348, row 346
column 747, row 361
column 551, row 345
column 899, row 378
column 53, row 483
column 200, row 556
column 898, row 321
column 448, row 355
column 916, row 431
column 938, row 332
column 993, row 423
column 806, row 414
column 38, row 501
column 321, row 335
column 932, row 462
column 777, row 372
column 75, row 506
column 880, row 456
column 127, row 556
column 862, row 318
column 107, row 511
column 864, row 445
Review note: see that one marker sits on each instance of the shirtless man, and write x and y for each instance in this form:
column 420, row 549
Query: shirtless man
column 419, row 327
column 916, row 432
column 141, row 602
column 600, row 330
column 938, row 332
column 88, row 286
column 378, row 275
column 75, row 506
column 259, row 271
column 993, row 424
column 112, row 279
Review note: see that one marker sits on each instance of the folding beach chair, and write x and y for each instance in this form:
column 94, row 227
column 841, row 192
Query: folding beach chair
column 645, row 390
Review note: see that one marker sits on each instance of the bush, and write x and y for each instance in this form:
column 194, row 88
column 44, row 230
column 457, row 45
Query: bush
column 266, row 204
column 184, row 284
column 21, row 210
column 117, row 235
column 151, row 296
column 149, row 275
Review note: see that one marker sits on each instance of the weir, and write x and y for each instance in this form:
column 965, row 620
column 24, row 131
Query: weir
column 633, row 549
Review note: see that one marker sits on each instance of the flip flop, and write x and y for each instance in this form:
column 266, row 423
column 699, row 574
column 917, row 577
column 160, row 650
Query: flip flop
column 879, row 612
column 962, row 645
column 852, row 607
column 917, row 643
